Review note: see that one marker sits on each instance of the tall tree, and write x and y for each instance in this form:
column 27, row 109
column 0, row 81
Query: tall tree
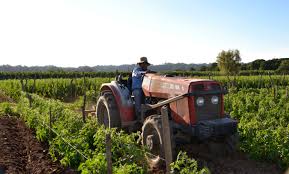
column 256, row 64
column 272, row 64
column 213, row 67
column 284, row 66
column 203, row 68
column 229, row 62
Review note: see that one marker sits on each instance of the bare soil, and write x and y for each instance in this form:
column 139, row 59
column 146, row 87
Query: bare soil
column 238, row 163
column 20, row 152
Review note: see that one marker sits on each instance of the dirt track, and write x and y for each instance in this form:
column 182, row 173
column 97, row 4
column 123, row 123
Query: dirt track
column 239, row 163
column 20, row 152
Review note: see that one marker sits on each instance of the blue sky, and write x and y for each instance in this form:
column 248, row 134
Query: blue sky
column 90, row 32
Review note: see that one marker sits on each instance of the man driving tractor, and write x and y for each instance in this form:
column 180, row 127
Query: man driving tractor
column 195, row 110
column 137, row 77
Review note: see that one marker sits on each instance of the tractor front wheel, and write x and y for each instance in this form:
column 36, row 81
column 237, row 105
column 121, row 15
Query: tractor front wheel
column 152, row 140
column 107, row 112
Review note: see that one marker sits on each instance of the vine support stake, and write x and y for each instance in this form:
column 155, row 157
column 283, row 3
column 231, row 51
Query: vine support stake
column 271, row 80
column 108, row 153
column 83, row 107
column 75, row 91
column 50, row 122
column 260, row 81
column 34, row 85
column 22, row 85
column 167, row 137
column 95, row 92
column 71, row 88
column 29, row 99
column 26, row 87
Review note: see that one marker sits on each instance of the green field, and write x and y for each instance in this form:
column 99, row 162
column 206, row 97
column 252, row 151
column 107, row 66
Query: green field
column 259, row 103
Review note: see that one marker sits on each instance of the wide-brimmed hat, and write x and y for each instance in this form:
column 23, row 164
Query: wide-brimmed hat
column 143, row 60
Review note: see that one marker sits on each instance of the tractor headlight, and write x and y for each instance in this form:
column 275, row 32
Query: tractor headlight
column 215, row 100
column 200, row 101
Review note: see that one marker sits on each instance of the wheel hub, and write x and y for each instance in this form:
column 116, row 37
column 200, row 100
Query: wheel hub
column 150, row 142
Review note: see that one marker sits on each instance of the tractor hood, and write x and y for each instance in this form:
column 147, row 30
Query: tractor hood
column 160, row 86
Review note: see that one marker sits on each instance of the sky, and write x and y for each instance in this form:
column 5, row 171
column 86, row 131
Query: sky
column 72, row 33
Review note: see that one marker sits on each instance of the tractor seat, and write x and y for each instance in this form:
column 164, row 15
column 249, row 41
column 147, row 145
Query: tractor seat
column 120, row 80
column 129, row 83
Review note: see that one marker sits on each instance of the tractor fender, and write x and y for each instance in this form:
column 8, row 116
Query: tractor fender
column 123, row 99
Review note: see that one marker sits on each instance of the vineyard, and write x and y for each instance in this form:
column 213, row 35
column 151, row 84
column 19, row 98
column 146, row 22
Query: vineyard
column 103, row 74
column 52, row 109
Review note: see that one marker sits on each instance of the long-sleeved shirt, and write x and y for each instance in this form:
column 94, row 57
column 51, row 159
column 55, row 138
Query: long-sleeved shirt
column 137, row 77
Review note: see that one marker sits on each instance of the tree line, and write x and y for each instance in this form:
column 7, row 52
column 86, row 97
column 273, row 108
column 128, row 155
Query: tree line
column 229, row 63
column 56, row 74
column 100, row 68
column 74, row 75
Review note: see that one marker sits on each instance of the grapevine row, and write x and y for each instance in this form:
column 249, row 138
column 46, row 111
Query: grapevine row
column 69, row 89
column 263, row 122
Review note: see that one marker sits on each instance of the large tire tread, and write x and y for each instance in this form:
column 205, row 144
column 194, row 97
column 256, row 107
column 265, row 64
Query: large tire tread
column 108, row 100
column 155, row 121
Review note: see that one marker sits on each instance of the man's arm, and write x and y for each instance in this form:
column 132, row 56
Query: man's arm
column 138, row 72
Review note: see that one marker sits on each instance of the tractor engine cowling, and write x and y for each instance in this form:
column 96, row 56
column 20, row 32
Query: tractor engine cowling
column 202, row 109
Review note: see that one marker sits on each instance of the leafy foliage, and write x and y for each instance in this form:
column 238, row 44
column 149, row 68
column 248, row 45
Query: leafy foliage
column 7, row 108
column 263, row 122
column 185, row 165
column 56, row 74
column 70, row 89
column 284, row 66
column 88, row 138
column 229, row 62
column 62, row 89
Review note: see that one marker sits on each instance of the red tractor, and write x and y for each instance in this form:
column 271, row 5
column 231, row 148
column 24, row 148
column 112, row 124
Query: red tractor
column 196, row 112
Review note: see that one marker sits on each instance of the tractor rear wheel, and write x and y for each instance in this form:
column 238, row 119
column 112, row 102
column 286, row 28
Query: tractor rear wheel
column 152, row 139
column 107, row 112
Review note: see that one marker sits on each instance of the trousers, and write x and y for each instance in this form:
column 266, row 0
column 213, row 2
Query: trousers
column 139, row 99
